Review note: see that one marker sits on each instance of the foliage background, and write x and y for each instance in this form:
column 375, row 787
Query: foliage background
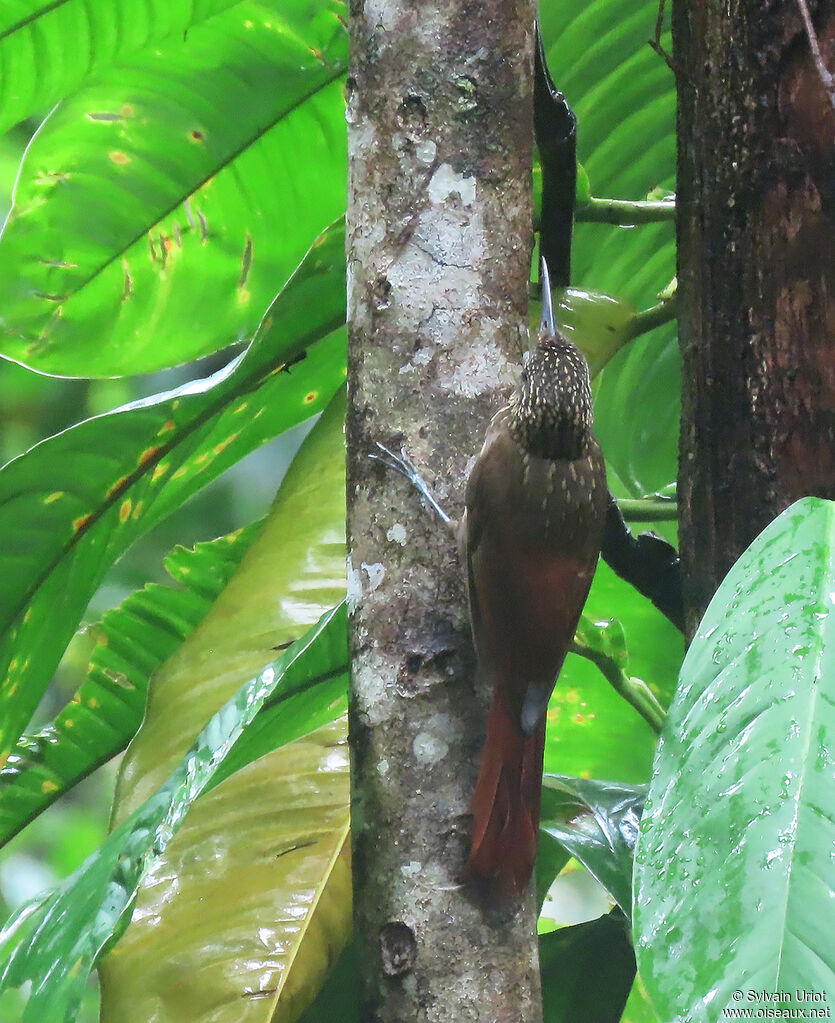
column 164, row 216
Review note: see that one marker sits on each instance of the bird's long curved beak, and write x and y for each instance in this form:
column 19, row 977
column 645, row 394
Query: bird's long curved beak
column 548, row 322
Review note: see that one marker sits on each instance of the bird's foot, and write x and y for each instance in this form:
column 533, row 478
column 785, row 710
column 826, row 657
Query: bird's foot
column 406, row 467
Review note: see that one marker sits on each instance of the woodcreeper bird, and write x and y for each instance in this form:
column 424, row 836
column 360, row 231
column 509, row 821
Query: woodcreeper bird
column 530, row 538
column 531, row 534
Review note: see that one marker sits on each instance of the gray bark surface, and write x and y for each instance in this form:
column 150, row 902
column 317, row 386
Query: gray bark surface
column 440, row 124
column 756, row 275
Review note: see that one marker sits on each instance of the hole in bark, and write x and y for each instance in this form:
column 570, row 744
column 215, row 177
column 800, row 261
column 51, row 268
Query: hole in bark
column 411, row 113
column 381, row 293
column 398, row 948
column 413, row 663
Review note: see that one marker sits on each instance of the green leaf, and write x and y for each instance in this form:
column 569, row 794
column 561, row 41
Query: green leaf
column 133, row 641
column 551, row 858
column 592, row 731
column 290, row 576
column 587, row 971
column 339, row 999
column 251, row 943
column 624, row 97
column 599, row 324
column 77, row 501
column 734, row 879
column 162, row 206
column 222, row 911
column 55, row 941
column 639, row 1008
column 37, row 67
column 597, row 823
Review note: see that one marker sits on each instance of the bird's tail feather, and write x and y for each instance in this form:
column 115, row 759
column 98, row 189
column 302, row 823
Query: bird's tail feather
column 506, row 802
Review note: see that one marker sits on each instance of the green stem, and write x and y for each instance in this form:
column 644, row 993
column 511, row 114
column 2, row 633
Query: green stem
column 634, row 690
column 622, row 211
column 648, row 319
column 648, row 509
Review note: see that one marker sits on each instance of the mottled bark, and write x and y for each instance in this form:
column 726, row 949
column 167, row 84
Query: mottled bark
column 756, row 273
column 439, row 236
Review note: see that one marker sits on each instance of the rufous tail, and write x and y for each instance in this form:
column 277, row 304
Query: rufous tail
column 506, row 802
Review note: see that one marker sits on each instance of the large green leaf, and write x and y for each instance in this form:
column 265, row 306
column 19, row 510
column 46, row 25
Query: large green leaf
column 75, row 502
column 54, row 941
column 624, row 97
column 288, row 578
column 734, row 879
column 251, row 901
column 597, row 823
column 38, row 67
column 571, row 956
column 133, row 640
column 160, row 209
column 239, row 909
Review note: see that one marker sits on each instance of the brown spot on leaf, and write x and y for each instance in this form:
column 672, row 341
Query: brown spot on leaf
column 117, row 156
column 125, row 510
column 148, row 454
column 117, row 486
column 246, row 261
column 196, row 135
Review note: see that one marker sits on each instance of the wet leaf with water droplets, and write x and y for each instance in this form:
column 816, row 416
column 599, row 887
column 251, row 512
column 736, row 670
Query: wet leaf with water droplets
column 734, row 880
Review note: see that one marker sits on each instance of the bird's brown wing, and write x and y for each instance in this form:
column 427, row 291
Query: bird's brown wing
column 528, row 570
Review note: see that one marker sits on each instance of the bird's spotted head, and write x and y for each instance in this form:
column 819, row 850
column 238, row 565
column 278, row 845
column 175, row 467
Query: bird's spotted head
column 552, row 412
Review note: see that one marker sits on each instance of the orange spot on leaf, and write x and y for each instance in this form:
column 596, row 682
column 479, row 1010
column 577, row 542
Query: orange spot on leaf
column 149, row 453
column 310, row 397
column 159, row 471
column 117, row 156
column 80, row 523
column 224, row 444
column 124, row 511
column 117, row 486
column 48, row 786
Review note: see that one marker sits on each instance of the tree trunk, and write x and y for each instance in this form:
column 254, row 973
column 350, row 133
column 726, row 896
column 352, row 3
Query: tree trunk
column 440, row 122
column 756, row 275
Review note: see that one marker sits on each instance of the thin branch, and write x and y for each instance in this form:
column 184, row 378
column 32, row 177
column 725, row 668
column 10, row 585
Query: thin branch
column 825, row 74
column 648, row 509
column 655, row 316
column 634, row 690
column 625, row 212
column 647, row 562
column 655, row 43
